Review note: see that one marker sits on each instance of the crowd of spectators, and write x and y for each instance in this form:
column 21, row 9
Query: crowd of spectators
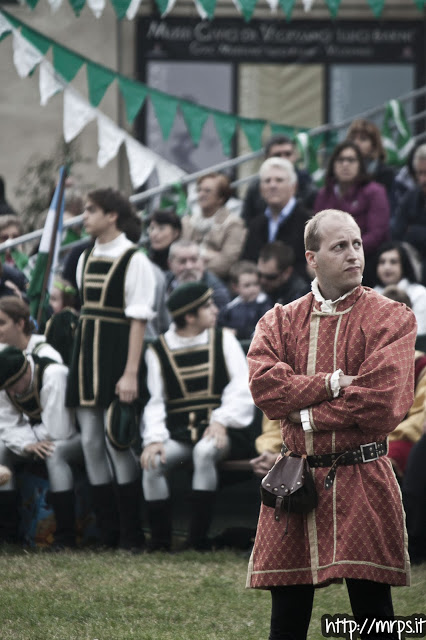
column 243, row 263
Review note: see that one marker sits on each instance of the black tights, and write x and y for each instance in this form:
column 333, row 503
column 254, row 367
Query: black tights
column 292, row 608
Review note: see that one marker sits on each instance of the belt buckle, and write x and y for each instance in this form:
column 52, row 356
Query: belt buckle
column 369, row 452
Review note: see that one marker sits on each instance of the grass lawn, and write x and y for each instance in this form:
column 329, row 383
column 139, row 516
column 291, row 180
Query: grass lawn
column 84, row 595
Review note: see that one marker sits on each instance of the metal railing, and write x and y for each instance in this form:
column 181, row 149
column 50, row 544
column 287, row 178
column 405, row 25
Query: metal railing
column 139, row 199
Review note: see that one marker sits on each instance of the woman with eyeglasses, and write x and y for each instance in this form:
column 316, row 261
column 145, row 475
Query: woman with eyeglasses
column 349, row 188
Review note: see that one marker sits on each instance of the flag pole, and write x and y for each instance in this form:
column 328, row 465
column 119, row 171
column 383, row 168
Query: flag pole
column 52, row 246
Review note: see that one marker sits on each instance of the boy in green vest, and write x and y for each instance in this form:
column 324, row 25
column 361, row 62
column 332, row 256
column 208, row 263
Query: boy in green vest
column 198, row 410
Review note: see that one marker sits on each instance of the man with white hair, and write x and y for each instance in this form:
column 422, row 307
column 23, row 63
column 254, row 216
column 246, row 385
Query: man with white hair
column 284, row 217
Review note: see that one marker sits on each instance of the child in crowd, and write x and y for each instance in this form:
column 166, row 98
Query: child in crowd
column 61, row 327
column 243, row 312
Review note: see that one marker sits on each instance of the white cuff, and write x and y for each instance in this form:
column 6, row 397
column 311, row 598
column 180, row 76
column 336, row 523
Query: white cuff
column 306, row 423
column 334, row 383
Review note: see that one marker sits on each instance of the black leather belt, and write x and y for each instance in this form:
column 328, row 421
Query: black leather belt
column 365, row 453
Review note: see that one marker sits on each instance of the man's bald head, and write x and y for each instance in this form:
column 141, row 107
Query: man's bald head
column 313, row 235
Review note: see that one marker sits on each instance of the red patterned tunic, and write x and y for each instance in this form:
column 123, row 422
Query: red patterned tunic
column 357, row 530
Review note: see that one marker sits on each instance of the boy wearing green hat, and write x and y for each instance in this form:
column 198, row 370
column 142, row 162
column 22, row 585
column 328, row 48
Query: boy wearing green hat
column 43, row 430
column 199, row 408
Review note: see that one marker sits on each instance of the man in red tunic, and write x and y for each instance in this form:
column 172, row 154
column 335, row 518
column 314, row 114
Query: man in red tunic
column 336, row 367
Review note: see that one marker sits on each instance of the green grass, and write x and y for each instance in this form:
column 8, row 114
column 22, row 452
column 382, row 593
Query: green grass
column 116, row 596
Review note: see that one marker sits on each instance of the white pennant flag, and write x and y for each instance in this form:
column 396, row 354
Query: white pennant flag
column 25, row 56
column 49, row 82
column 201, row 11
column 110, row 138
column 168, row 172
column 273, row 4
column 96, row 6
column 5, row 25
column 133, row 9
column 141, row 161
column 55, row 4
column 77, row 114
column 307, row 4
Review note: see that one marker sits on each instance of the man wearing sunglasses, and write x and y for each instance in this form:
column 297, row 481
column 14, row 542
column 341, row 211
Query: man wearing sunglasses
column 277, row 276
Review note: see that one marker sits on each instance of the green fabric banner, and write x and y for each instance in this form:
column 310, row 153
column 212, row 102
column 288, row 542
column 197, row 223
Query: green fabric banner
column 333, row 6
column 225, row 126
column 247, row 8
column 162, row 5
column 66, row 63
column 120, row 7
column 195, row 118
column 134, row 95
column 396, row 134
column 420, row 4
column 77, row 6
column 253, row 130
column 283, row 130
column 37, row 39
column 98, row 81
column 165, row 109
column 287, row 6
column 377, row 6
column 209, row 6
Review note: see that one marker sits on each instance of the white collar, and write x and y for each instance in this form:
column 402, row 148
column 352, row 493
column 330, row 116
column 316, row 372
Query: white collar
column 112, row 243
column 328, row 306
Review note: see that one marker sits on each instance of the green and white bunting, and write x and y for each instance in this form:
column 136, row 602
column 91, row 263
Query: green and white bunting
column 396, row 134
column 207, row 8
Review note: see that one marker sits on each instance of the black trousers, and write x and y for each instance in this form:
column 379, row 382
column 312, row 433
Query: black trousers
column 292, row 608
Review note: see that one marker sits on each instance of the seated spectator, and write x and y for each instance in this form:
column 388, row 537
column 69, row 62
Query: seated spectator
column 37, row 425
column 409, row 224
column 198, row 410
column 219, row 233
column 61, row 326
column 268, row 445
column 277, row 275
column 164, row 228
column 393, row 267
column 187, row 265
column 284, row 217
column 348, row 188
column 278, row 146
column 5, row 208
column 10, row 229
column 17, row 329
column 366, row 135
column 243, row 312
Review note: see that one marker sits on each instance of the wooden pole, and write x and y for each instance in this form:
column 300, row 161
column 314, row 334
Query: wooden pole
column 52, row 246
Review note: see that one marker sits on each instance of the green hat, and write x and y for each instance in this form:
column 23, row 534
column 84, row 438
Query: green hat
column 13, row 365
column 122, row 424
column 187, row 297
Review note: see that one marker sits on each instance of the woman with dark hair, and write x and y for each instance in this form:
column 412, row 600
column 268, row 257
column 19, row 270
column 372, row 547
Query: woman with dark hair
column 349, row 188
column 164, row 228
column 366, row 135
column 393, row 267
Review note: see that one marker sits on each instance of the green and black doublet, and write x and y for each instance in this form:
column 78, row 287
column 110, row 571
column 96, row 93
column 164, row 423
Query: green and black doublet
column 29, row 403
column 194, row 379
column 102, row 337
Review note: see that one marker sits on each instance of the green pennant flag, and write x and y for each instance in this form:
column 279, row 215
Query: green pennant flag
column 32, row 3
column 397, row 146
column 13, row 21
column 333, row 6
column 283, row 129
column 376, row 6
column 195, row 118
column 175, row 197
column 162, row 5
column 247, row 8
column 37, row 39
column 77, row 6
column 209, row 7
column 66, row 63
column 225, row 126
column 98, row 80
column 420, row 4
column 134, row 95
column 308, row 150
column 253, row 130
column 165, row 109
column 287, row 6
column 120, row 7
